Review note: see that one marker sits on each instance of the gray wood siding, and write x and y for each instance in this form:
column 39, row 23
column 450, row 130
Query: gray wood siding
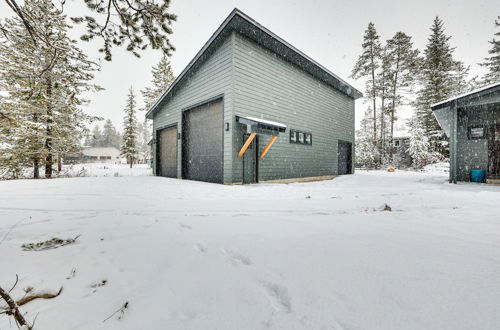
column 211, row 78
column 473, row 154
column 268, row 87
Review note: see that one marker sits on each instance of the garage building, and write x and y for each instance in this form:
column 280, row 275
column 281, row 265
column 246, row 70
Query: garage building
column 251, row 108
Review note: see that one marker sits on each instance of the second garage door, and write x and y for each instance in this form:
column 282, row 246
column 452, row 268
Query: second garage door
column 167, row 152
column 202, row 155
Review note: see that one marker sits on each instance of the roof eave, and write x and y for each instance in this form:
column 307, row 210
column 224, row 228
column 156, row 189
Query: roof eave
column 149, row 114
column 354, row 93
column 467, row 96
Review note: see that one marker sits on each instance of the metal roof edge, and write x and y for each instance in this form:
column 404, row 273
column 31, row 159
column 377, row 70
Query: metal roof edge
column 192, row 62
column 481, row 90
column 355, row 93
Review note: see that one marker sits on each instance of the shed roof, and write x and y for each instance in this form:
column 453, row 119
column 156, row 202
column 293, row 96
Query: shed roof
column 242, row 23
column 468, row 96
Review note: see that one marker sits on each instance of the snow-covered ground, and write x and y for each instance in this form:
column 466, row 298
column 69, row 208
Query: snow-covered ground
column 89, row 169
column 104, row 169
column 192, row 255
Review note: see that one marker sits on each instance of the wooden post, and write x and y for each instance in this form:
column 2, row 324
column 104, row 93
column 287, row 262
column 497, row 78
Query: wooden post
column 268, row 146
column 246, row 145
column 453, row 142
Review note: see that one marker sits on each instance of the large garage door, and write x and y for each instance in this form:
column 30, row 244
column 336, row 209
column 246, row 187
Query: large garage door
column 167, row 144
column 202, row 156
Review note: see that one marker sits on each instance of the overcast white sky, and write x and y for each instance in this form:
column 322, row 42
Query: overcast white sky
column 329, row 31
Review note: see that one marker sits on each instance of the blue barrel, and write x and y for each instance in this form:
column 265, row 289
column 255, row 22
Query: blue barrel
column 478, row 175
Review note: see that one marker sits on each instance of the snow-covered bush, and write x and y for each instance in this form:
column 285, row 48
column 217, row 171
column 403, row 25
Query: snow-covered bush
column 419, row 148
column 367, row 153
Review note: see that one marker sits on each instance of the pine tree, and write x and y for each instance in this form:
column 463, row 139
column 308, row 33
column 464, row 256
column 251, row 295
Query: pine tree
column 402, row 62
column 144, row 136
column 438, row 82
column 44, row 83
column 129, row 141
column 460, row 81
column 163, row 77
column 21, row 130
column 110, row 137
column 366, row 66
column 492, row 63
column 383, row 86
column 96, row 137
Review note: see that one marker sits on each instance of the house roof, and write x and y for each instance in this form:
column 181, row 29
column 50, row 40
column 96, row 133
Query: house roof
column 242, row 23
column 467, row 96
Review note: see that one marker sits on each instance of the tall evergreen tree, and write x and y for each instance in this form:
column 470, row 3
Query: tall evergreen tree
column 129, row 140
column 110, row 136
column 143, row 138
column 366, row 66
column 460, row 82
column 383, row 83
column 163, row 77
column 402, row 62
column 96, row 137
column 438, row 82
column 44, row 84
column 492, row 63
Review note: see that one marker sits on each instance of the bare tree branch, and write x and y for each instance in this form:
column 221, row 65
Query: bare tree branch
column 13, row 308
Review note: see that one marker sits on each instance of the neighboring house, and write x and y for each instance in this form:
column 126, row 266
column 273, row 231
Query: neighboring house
column 402, row 157
column 110, row 155
column 250, row 107
column 472, row 123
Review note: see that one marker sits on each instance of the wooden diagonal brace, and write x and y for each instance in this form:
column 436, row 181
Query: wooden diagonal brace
column 268, row 146
column 246, row 145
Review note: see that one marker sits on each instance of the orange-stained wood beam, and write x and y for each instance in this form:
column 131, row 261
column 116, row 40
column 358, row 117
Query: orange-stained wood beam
column 246, row 145
column 269, row 144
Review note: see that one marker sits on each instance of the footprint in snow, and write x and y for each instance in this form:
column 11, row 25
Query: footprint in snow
column 278, row 296
column 237, row 258
column 185, row 227
column 200, row 247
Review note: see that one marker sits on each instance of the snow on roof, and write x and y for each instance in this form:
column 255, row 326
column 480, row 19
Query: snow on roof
column 266, row 122
column 497, row 84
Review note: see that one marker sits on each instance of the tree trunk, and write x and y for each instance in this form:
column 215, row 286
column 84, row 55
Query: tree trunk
column 131, row 161
column 59, row 163
column 393, row 107
column 374, row 101
column 48, row 161
column 36, row 168
column 382, row 127
column 48, row 140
